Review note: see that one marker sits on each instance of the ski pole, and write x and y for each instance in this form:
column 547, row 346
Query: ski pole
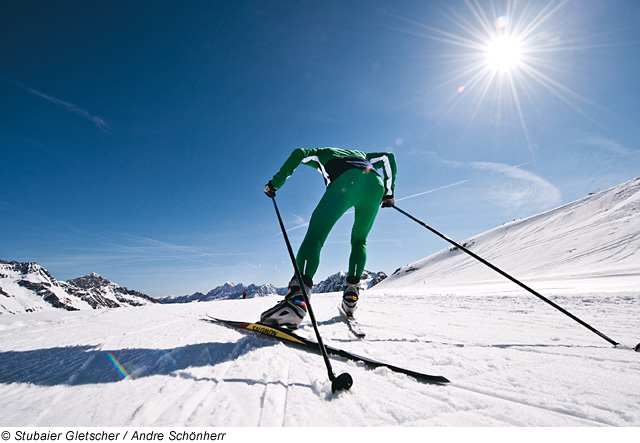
column 343, row 381
column 504, row 274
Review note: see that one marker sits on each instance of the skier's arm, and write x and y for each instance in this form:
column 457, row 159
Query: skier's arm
column 386, row 162
column 286, row 170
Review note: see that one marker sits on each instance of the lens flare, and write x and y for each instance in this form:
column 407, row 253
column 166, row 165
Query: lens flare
column 169, row 358
column 116, row 364
column 502, row 22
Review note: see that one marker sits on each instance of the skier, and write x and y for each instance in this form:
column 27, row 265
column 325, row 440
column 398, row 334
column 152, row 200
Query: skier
column 352, row 182
column 244, row 294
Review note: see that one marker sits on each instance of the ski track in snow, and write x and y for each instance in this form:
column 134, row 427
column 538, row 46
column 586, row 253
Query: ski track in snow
column 513, row 361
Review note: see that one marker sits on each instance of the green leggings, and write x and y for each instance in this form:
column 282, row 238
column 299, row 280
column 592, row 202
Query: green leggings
column 355, row 188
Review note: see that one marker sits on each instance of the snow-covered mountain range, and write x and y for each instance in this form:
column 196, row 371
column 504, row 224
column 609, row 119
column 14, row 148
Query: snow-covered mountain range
column 28, row 287
column 228, row 291
column 336, row 282
column 232, row 291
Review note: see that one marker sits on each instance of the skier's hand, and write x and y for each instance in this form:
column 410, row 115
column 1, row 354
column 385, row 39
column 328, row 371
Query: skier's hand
column 388, row 201
column 269, row 190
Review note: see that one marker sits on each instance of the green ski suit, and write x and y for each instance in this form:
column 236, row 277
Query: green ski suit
column 352, row 182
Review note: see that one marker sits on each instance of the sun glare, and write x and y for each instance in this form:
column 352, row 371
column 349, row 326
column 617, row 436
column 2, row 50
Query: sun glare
column 504, row 53
column 498, row 54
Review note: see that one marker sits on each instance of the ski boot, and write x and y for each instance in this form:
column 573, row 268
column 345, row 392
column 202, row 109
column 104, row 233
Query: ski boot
column 289, row 312
column 350, row 295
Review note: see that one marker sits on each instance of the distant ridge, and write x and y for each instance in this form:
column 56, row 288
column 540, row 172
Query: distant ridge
column 232, row 291
column 336, row 282
column 228, row 291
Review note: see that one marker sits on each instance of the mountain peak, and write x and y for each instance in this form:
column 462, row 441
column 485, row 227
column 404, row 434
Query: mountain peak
column 336, row 282
column 28, row 287
column 90, row 281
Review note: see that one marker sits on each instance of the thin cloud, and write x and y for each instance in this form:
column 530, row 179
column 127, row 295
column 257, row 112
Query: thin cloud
column 508, row 186
column 98, row 121
column 299, row 223
column 434, row 190
column 512, row 187
column 609, row 145
column 153, row 249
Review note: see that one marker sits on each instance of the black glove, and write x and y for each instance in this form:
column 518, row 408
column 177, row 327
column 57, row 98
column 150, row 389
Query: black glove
column 388, row 201
column 269, row 190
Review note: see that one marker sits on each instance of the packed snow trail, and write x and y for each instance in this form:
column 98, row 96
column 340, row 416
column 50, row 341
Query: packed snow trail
column 512, row 362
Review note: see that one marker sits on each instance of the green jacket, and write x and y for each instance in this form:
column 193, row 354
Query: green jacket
column 331, row 162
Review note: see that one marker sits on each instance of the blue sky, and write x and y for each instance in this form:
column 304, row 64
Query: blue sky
column 136, row 136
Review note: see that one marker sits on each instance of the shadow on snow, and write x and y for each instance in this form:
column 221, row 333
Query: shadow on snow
column 80, row 365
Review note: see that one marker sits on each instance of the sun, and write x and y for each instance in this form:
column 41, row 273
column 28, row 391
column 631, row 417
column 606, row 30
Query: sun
column 504, row 53
column 500, row 55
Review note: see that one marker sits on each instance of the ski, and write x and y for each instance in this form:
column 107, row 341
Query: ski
column 353, row 324
column 289, row 337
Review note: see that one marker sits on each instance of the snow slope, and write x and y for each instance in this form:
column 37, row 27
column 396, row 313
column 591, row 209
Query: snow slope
column 593, row 238
column 513, row 360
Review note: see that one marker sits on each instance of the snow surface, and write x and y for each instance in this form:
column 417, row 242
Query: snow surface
column 512, row 359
